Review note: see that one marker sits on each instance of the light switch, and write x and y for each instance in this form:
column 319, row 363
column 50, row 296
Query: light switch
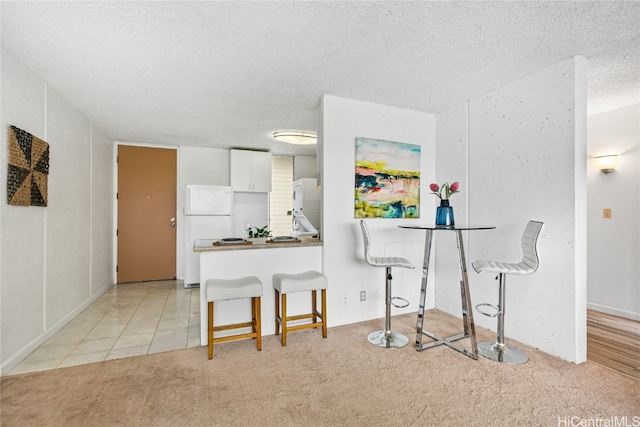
column 606, row 213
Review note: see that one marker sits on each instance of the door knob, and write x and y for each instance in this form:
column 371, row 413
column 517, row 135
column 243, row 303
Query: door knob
column 173, row 222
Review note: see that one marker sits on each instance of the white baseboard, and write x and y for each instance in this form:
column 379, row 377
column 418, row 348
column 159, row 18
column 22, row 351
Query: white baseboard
column 25, row 351
column 613, row 311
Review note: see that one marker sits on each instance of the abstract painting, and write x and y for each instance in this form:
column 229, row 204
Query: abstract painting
column 387, row 179
column 28, row 172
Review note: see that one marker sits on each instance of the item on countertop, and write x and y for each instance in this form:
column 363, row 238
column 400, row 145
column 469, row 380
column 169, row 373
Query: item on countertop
column 231, row 241
column 284, row 239
column 260, row 232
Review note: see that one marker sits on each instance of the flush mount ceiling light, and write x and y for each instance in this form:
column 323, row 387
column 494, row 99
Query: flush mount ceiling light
column 295, row 137
column 607, row 164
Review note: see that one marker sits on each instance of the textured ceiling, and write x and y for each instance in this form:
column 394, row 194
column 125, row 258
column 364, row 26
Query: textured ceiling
column 227, row 74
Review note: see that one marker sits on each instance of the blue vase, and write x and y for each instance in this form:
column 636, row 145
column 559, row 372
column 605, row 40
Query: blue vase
column 444, row 214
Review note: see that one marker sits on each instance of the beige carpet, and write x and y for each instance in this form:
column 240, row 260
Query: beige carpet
column 342, row 380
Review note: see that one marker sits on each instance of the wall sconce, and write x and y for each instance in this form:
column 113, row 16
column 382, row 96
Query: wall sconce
column 607, row 164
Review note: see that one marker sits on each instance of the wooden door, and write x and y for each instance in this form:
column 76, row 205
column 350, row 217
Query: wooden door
column 146, row 214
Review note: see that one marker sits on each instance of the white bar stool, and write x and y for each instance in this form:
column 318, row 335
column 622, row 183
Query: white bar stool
column 386, row 338
column 230, row 289
column 307, row 281
column 499, row 351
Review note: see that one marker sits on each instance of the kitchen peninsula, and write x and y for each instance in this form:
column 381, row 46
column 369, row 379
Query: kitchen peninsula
column 255, row 257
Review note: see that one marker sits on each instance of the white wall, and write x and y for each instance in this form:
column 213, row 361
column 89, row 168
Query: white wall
column 614, row 244
column 57, row 259
column 342, row 120
column 304, row 167
column 102, row 202
column 520, row 154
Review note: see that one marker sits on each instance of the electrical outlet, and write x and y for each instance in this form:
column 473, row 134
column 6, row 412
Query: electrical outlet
column 606, row 213
column 363, row 295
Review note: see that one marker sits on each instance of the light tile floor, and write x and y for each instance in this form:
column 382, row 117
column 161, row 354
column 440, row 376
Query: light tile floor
column 129, row 319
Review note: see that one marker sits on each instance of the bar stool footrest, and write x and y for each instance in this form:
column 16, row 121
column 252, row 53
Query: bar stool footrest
column 486, row 304
column 404, row 303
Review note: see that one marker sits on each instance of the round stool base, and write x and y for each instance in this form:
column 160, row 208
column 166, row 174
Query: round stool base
column 503, row 354
column 388, row 339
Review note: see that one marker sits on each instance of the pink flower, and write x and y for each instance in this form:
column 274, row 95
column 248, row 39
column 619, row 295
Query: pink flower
column 445, row 191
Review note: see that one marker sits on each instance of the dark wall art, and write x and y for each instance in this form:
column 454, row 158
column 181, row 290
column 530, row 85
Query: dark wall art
column 28, row 173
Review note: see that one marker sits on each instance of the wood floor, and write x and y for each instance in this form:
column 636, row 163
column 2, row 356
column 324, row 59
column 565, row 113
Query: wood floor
column 614, row 342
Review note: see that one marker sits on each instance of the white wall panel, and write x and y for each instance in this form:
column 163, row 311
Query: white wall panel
column 22, row 227
column 305, row 167
column 102, row 201
column 69, row 210
column 52, row 264
column 249, row 206
column 526, row 159
column 342, row 121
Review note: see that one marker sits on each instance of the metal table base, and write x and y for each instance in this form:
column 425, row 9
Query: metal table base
column 469, row 330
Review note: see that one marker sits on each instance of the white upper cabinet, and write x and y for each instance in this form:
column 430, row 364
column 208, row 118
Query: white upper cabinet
column 250, row 171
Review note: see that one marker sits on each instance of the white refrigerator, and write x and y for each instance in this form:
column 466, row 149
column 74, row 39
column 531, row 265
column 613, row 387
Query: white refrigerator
column 208, row 215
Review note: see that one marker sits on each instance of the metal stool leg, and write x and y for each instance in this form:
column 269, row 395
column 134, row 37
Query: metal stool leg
column 388, row 338
column 499, row 351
